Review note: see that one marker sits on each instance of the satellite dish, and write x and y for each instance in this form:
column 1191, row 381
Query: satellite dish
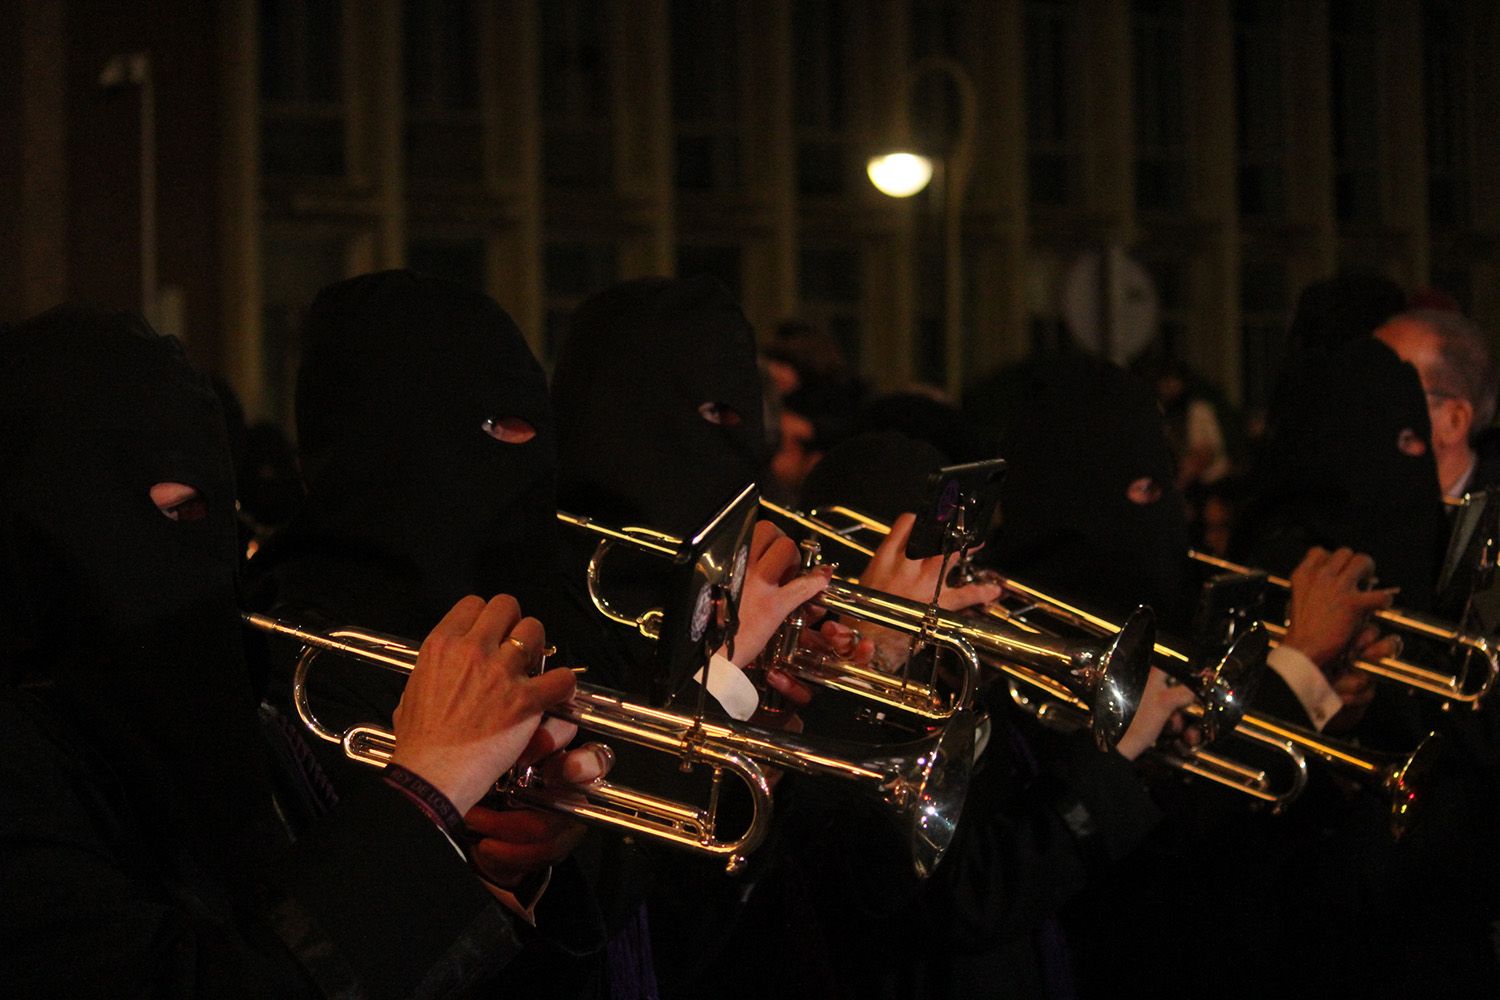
column 1110, row 304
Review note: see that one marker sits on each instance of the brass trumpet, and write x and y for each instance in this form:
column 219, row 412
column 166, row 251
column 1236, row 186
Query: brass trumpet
column 1274, row 784
column 1465, row 684
column 1220, row 709
column 1222, row 689
column 1106, row 679
column 921, row 783
column 1401, row 778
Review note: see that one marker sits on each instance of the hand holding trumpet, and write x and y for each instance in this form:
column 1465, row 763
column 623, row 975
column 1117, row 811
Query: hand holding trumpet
column 916, row 580
column 514, row 843
column 1330, row 603
column 471, row 708
column 774, row 588
column 1329, row 623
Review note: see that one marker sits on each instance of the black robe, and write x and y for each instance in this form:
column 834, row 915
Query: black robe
column 141, row 846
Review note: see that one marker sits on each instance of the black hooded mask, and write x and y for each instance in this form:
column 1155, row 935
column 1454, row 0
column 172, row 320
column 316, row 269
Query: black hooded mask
column 659, row 405
column 879, row 473
column 1089, row 508
column 412, row 502
column 1351, row 464
column 122, row 620
column 927, row 419
column 1331, row 313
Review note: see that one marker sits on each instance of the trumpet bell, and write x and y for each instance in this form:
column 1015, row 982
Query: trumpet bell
column 934, row 784
column 1122, row 670
column 1226, row 689
column 1406, row 783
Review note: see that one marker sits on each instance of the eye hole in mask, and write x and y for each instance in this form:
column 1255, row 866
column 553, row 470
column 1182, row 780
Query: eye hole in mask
column 1410, row 443
column 720, row 414
column 1144, row 491
column 510, row 430
column 179, row 502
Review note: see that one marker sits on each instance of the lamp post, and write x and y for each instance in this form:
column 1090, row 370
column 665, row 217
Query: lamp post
column 903, row 173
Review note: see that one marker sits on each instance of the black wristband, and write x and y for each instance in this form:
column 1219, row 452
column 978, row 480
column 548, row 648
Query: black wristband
column 431, row 801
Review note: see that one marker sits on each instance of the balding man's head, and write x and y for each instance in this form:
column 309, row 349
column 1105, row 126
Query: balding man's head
column 1452, row 358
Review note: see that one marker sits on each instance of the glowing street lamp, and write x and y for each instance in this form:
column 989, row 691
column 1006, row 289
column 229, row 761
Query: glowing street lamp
column 899, row 174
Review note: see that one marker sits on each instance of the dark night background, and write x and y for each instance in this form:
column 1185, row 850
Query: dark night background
column 541, row 149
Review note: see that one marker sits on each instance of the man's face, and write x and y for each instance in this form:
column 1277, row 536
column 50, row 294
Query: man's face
column 795, row 457
column 1449, row 412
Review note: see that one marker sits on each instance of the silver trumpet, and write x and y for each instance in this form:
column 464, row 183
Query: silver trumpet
column 921, row 783
column 1471, row 663
column 1270, row 766
column 1106, row 679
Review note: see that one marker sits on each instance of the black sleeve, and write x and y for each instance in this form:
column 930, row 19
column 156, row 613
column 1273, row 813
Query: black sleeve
column 374, row 902
column 400, row 907
column 1028, row 842
column 1274, row 697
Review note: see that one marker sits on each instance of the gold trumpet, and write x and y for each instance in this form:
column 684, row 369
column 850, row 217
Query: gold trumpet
column 921, row 783
column 1466, row 684
column 1222, row 690
column 1223, row 693
column 1107, row 679
column 1274, row 782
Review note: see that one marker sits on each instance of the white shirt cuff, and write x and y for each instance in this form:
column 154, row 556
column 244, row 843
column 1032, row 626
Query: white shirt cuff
column 730, row 688
column 1319, row 700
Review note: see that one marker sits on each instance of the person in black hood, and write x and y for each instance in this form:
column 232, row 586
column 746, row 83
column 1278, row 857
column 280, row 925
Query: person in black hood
column 140, row 845
column 1089, row 512
column 658, row 397
column 929, row 419
column 120, row 607
column 1334, row 312
column 1088, row 506
column 1044, row 815
column 660, row 422
column 1351, row 464
column 427, row 446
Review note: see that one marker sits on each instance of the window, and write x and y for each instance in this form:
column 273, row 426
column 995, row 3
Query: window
column 1264, row 309
column 705, row 95
column 302, row 89
column 1446, row 69
column 444, row 129
column 932, row 333
column 715, row 260
column 825, row 164
column 1161, row 156
column 577, row 150
column 1353, row 37
column 1260, row 110
column 297, row 266
column 456, row 259
column 831, row 286
column 936, row 30
column 1052, row 155
column 1171, row 273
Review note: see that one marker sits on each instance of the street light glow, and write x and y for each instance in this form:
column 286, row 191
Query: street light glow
column 899, row 175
